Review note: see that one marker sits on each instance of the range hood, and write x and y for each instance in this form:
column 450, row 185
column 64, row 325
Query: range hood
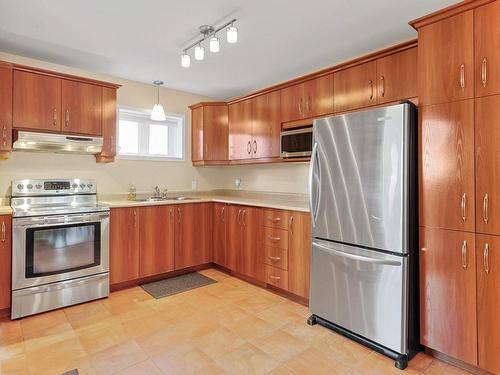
column 58, row 143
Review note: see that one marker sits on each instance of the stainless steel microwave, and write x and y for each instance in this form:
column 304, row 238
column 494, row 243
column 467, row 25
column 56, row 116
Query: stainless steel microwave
column 296, row 142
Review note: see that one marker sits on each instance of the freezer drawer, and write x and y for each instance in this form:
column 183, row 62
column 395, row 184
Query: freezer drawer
column 362, row 291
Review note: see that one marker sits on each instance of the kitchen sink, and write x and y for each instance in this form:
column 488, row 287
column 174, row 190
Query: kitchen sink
column 161, row 199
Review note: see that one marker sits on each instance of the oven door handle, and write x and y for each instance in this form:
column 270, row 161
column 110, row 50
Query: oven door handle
column 37, row 222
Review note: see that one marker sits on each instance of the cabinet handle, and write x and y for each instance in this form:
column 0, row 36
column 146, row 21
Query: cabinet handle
column 486, row 258
column 54, row 117
column 274, row 239
column 274, row 277
column 4, row 136
column 113, row 149
column 300, row 105
column 171, row 214
column 67, row 117
column 463, row 207
column 135, row 218
column 370, row 82
column 206, row 150
column 254, row 146
column 382, row 86
column 274, row 219
column 3, row 231
column 274, row 259
column 238, row 217
column 484, row 70
column 222, row 216
column 179, row 214
column 485, row 208
column 290, row 224
column 462, row 77
column 249, row 148
column 464, row 255
column 309, row 100
column 243, row 217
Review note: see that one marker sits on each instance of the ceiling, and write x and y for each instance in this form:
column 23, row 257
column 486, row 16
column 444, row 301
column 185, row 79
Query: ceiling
column 143, row 40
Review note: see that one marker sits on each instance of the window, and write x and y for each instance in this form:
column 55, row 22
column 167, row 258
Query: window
column 139, row 137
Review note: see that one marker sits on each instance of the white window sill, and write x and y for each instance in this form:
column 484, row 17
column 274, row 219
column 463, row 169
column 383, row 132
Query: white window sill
column 150, row 158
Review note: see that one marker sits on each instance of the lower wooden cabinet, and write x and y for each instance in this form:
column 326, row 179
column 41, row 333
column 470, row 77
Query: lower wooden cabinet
column 5, row 260
column 219, row 234
column 448, row 321
column 299, row 253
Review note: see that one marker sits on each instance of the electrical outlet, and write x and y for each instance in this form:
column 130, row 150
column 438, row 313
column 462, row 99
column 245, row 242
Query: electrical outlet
column 237, row 183
column 194, row 185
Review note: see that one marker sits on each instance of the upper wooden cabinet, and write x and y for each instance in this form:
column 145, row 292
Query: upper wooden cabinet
column 445, row 59
column 240, row 130
column 81, row 108
column 266, row 125
column 355, row 87
column 37, row 102
column 108, row 152
column 397, row 76
column 6, row 80
column 309, row 99
column 487, row 49
column 5, row 260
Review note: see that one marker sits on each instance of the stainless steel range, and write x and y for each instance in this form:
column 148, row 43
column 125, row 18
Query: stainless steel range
column 60, row 248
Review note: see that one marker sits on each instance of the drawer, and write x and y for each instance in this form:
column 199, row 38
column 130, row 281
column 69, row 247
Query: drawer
column 276, row 238
column 276, row 218
column 277, row 277
column 276, row 257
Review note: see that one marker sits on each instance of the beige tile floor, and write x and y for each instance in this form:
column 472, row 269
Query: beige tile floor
column 230, row 327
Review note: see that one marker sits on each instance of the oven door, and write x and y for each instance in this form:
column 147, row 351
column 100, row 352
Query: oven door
column 61, row 247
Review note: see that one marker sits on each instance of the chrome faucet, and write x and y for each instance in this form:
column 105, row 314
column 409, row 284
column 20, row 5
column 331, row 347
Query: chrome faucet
column 157, row 192
column 164, row 194
column 132, row 193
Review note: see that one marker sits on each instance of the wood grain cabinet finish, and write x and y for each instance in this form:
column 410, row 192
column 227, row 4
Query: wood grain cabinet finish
column 215, row 132
column 487, row 164
column 488, row 303
column 266, row 125
column 445, row 60
column 448, row 293
column 156, row 240
column 240, row 130
column 299, row 253
column 5, row 260
column 487, row 49
column 219, row 233
column 355, row 87
column 397, row 76
column 37, row 102
column 108, row 152
column 234, row 238
column 81, row 108
column 193, row 234
column 124, row 245
column 447, row 166
column 6, row 79
column 197, row 140
column 292, row 103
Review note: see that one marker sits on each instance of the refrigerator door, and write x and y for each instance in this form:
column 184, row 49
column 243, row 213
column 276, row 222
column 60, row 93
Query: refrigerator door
column 358, row 178
column 361, row 290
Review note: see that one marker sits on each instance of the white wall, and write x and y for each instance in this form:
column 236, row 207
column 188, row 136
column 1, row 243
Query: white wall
column 116, row 177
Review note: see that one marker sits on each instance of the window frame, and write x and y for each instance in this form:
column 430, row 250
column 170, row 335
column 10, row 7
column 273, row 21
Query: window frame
column 145, row 113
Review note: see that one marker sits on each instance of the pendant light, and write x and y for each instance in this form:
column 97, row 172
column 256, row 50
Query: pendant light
column 185, row 60
column 232, row 34
column 214, row 44
column 158, row 113
column 199, row 52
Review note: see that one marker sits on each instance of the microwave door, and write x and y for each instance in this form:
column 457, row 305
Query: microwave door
column 296, row 143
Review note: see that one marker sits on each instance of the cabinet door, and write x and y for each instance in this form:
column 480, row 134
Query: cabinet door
column 215, row 132
column 240, row 130
column 318, row 96
column 487, row 165
column 192, row 235
column 5, row 260
column 292, row 103
column 197, row 134
column 487, row 49
column 397, row 76
column 82, row 108
column 355, row 87
column 445, row 60
column 219, row 239
column 37, row 102
column 266, row 125
column 234, row 238
column 448, row 293
column 124, row 245
column 5, row 109
column 108, row 152
column 299, row 253
column 447, row 166
column 156, row 240
column 252, row 246
column 488, row 303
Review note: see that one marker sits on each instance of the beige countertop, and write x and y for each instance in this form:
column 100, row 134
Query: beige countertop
column 5, row 210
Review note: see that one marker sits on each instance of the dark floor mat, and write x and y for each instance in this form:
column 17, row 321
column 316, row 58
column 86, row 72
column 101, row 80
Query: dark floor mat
column 178, row 284
column 71, row 372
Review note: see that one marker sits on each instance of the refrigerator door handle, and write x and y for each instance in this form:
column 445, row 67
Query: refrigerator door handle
column 357, row 257
column 314, row 154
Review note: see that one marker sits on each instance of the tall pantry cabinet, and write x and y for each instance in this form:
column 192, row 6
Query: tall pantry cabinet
column 459, row 95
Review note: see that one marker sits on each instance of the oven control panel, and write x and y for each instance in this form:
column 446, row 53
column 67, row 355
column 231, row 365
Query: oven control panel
column 53, row 187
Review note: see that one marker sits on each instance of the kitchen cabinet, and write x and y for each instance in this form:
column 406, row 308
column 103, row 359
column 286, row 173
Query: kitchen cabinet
column 193, row 234
column 5, row 260
column 81, row 108
column 6, row 79
column 124, row 245
column 266, row 125
column 156, row 240
column 355, row 87
column 487, row 49
column 209, row 134
column 219, row 234
column 36, row 102
column 447, row 166
column 299, row 253
column 445, row 59
column 309, row 99
column 233, row 238
column 487, row 164
column 448, row 293
column 488, row 303
column 397, row 76
column 108, row 152
column 240, row 130
column 197, row 134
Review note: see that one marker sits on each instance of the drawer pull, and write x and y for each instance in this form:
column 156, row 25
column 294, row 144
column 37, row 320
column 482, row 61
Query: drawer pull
column 464, row 255
column 4, row 233
column 486, row 258
column 274, row 239
column 274, row 219
column 274, row 277
column 274, row 259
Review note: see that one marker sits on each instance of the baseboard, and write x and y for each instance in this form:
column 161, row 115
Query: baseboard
column 5, row 312
column 456, row 362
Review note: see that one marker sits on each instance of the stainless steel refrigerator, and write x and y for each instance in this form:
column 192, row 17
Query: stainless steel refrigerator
column 363, row 200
